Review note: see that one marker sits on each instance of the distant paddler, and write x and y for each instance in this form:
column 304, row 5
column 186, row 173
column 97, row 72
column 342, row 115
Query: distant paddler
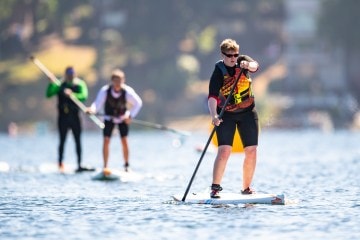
column 115, row 98
column 68, row 112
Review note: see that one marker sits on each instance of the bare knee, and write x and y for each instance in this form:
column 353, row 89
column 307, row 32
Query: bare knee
column 250, row 152
column 224, row 152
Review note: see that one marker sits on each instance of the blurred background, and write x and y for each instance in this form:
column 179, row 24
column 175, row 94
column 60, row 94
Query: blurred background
column 308, row 51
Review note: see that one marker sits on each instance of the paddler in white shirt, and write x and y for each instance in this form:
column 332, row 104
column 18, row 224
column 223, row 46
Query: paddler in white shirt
column 115, row 99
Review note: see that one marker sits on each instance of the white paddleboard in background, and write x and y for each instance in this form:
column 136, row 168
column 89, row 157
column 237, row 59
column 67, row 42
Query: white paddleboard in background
column 50, row 168
column 233, row 198
column 69, row 168
column 110, row 176
column 4, row 167
column 119, row 175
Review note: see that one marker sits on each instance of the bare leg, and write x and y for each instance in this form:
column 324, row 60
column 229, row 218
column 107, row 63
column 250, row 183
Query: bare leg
column 249, row 165
column 106, row 151
column 220, row 163
column 125, row 147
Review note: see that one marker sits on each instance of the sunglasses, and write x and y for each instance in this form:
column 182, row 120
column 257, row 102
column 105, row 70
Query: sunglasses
column 230, row 55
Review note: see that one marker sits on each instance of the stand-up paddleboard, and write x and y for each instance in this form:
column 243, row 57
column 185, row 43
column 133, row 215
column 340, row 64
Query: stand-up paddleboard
column 107, row 176
column 50, row 168
column 233, row 198
column 119, row 175
column 47, row 168
column 85, row 169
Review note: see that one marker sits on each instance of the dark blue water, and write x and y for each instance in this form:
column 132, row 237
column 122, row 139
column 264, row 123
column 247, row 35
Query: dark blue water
column 318, row 172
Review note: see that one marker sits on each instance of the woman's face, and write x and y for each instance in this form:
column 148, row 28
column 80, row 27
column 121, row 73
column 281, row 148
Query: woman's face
column 230, row 57
column 117, row 82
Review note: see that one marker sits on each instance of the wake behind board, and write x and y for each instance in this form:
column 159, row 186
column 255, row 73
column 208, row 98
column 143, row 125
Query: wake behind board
column 117, row 175
column 233, row 198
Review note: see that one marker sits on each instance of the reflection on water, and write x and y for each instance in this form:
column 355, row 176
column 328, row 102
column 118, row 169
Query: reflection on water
column 318, row 173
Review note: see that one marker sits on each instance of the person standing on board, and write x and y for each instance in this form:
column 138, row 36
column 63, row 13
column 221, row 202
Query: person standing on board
column 239, row 113
column 68, row 112
column 115, row 99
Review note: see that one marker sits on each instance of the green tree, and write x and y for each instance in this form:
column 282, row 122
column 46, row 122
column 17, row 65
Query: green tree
column 337, row 24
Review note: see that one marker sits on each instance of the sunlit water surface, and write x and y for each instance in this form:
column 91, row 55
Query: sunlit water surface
column 318, row 172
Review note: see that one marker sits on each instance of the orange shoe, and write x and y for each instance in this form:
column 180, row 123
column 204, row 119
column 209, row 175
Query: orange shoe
column 106, row 172
column 61, row 168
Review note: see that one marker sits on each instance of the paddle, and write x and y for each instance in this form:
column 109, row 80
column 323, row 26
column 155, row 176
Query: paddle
column 155, row 125
column 160, row 127
column 176, row 143
column 211, row 135
column 53, row 79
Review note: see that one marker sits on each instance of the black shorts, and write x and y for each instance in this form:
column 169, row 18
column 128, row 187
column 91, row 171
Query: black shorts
column 109, row 126
column 246, row 123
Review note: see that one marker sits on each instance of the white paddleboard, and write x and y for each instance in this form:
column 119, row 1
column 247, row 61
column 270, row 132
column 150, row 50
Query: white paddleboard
column 4, row 167
column 47, row 168
column 50, row 168
column 119, row 175
column 233, row 198
column 106, row 177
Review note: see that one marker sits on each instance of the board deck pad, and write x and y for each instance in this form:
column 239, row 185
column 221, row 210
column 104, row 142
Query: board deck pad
column 233, row 198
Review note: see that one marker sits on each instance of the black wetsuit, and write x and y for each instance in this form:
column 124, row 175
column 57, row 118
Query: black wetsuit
column 68, row 119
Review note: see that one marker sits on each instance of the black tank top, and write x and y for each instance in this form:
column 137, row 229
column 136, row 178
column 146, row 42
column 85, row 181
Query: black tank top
column 115, row 106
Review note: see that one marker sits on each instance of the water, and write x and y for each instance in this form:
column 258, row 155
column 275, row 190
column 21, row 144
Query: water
column 318, row 172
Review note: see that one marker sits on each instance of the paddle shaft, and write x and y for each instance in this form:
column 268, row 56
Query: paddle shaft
column 155, row 125
column 56, row 81
column 160, row 127
column 210, row 137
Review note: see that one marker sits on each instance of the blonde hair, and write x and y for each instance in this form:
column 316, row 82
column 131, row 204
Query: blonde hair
column 229, row 45
column 117, row 73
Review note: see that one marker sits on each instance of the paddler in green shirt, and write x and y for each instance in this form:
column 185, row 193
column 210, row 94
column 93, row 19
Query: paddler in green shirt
column 68, row 112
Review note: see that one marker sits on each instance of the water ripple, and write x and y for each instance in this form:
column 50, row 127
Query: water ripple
column 319, row 179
